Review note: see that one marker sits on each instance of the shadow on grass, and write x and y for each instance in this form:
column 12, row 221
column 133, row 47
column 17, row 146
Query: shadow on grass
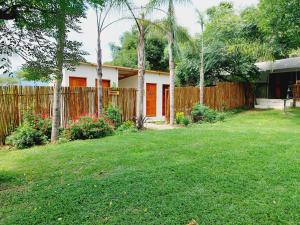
column 8, row 180
column 236, row 111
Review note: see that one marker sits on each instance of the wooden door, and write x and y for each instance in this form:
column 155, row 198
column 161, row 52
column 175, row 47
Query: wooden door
column 105, row 83
column 151, row 100
column 164, row 98
column 277, row 88
column 77, row 81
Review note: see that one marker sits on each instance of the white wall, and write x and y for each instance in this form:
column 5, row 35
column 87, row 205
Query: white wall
column 159, row 80
column 130, row 82
column 90, row 73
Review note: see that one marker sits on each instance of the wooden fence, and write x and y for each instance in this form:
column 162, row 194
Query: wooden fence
column 14, row 101
column 296, row 92
column 223, row 96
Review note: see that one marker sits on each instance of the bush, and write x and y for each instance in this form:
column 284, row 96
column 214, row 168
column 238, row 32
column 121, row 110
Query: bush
column 26, row 136
column 114, row 115
column 127, row 127
column 179, row 117
column 202, row 113
column 221, row 116
column 35, row 130
column 87, row 128
column 186, row 121
column 40, row 123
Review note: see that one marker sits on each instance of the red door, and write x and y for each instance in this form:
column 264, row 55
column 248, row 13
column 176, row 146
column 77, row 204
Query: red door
column 151, row 100
column 77, row 82
column 277, row 88
column 164, row 100
column 105, row 83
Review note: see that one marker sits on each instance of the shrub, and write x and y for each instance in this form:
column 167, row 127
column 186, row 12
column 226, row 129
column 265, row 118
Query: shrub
column 26, row 136
column 221, row 116
column 35, row 130
column 127, row 127
column 40, row 123
column 179, row 117
column 87, row 128
column 114, row 115
column 202, row 113
column 186, row 121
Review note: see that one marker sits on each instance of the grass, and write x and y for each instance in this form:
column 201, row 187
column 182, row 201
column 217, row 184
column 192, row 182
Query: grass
column 243, row 171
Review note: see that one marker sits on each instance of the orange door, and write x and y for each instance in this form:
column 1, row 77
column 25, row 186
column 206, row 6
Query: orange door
column 164, row 100
column 105, row 83
column 77, row 82
column 151, row 100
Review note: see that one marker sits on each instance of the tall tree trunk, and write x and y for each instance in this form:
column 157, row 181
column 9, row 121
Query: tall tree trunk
column 56, row 110
column 202, row 73
column 141, row 73
column 99, row 73
column 172, row 76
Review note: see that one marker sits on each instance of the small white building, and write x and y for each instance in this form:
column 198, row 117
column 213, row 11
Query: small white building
column 156, row 82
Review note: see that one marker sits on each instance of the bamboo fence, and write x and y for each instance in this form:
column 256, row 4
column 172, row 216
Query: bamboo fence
column 76, row 102
column 223, row 96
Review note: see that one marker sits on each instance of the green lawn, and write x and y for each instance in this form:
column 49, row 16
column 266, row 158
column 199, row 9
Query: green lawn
column 242, row 171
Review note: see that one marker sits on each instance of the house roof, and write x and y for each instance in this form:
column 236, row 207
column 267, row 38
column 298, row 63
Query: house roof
column 127, row 71
column 283, row 65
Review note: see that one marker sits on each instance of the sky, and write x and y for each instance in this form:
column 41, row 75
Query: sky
column 186, row 16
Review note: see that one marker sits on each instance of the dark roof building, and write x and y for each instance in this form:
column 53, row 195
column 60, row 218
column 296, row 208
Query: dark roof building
column 277, row 77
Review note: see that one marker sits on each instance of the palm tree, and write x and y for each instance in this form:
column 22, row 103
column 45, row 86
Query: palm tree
column 142, row 25
column 171, row 24
column 201, row 85
column 102, row 12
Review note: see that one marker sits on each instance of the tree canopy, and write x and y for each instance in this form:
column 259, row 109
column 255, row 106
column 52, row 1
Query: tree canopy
column 279, row 19
column 233, row 44
column 126, row 54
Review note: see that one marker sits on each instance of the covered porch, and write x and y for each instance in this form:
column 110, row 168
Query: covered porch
column 279, row 81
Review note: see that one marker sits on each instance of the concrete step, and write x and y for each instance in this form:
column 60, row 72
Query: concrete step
column 272, row 103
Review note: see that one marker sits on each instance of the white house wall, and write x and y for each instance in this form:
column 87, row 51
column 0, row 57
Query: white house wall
column 157, row 79
column 90, row 73
column 130, row 82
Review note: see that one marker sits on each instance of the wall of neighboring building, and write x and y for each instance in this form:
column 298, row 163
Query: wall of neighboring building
column 90, row 73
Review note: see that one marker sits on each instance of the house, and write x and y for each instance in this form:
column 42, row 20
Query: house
column 156, row 82
column 277, row 79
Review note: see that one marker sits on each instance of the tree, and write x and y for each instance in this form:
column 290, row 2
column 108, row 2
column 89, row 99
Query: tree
column 64, row 16
column 171, row 25
column 233, row 44
column 279, row 19
column 142, row 25
column 102, row 12
column 23, row 34
column 15, row 10
column 201, row 85
column 126, row 54
column 141, row 70
column 7, row 81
